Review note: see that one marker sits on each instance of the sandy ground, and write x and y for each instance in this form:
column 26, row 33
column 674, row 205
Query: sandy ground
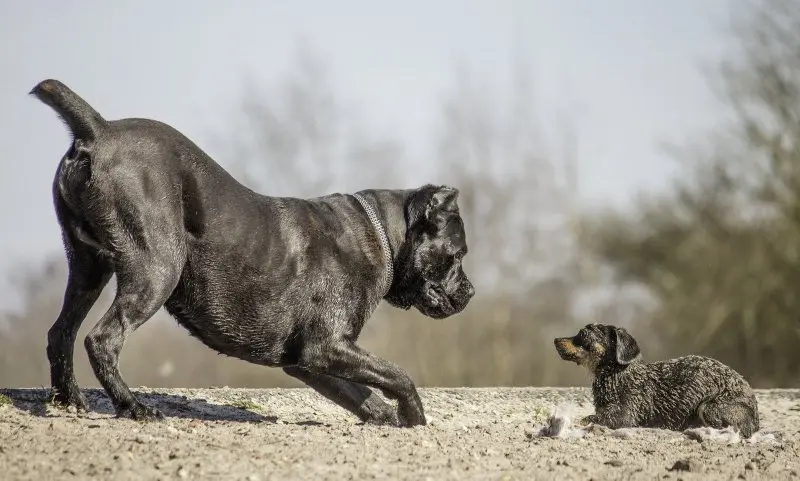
column 296, row 434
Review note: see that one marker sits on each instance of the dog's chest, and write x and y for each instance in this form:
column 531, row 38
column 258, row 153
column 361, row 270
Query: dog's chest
column 230, row 330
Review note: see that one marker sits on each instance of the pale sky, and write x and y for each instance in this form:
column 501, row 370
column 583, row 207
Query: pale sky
column 630, row 65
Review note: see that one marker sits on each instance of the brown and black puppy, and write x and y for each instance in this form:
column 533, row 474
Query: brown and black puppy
column 677, row 394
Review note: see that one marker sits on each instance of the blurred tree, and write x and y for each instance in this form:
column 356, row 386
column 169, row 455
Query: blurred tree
column 518, row 202
column 297, row 139
column 720, row 252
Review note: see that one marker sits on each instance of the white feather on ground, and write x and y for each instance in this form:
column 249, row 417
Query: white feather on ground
column 559, row 423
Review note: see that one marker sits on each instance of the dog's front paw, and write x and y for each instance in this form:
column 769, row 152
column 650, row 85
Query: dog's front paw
column 386, row 417
column 410, row 415
column 70, row 398
column 139, row 412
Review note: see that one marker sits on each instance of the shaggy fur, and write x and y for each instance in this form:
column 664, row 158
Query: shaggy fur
column 682, row 393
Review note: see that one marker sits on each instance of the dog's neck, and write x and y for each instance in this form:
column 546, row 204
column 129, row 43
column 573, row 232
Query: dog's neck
column 386, row 248
column 389, row 209
column 612, row 373
column 611, row 382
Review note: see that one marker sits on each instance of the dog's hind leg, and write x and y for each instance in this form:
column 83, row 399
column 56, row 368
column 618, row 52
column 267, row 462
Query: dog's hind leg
column 84, row 285
column 739, row 414
column 88, row 274
column 141, row 291
column 357, row 399
column 147, row 268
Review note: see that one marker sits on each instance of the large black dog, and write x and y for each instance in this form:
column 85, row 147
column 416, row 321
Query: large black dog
column 275, row 281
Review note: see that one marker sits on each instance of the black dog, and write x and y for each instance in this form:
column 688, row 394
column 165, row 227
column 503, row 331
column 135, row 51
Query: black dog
column 274, row 281
column 677, row 394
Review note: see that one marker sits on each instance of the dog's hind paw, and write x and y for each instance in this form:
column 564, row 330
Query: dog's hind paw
column 140, row 412
column 74, row 399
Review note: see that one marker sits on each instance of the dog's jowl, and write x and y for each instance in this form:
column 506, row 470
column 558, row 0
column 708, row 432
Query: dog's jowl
column 687, row 392
column 281, row 282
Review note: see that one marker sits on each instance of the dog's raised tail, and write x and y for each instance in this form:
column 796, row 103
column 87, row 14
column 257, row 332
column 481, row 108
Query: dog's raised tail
column 83, row 121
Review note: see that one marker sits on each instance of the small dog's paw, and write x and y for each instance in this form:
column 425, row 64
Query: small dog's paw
column 140, row 412
column 71, row 398
column 597, row 429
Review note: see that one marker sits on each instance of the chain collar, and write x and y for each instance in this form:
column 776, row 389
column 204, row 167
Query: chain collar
column 387, row 250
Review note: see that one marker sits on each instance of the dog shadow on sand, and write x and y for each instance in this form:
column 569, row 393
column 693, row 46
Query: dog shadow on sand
column 37, row 402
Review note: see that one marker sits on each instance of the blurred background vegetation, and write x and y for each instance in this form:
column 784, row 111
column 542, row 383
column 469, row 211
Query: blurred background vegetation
column 710, row 266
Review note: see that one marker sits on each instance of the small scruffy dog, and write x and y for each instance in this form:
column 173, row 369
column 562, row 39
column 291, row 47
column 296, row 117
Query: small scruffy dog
column 682, row 393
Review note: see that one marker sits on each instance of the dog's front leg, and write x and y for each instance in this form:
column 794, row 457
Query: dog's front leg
column 345, row 360
column 356, row 398
column 614, row 417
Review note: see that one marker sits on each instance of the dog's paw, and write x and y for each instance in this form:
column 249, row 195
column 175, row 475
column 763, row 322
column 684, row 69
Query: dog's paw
column 409, row 415
column 70, row 398
column 386, row 417
column 140, row 412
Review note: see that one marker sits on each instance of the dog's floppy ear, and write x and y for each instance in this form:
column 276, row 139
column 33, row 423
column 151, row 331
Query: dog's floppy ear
column 627, row 348
column 428, row 200
column 443, row 198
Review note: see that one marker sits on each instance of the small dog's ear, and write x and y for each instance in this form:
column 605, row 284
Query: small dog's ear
column 443, row 198
column 627, row 348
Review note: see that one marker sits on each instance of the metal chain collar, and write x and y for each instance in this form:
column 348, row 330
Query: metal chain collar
column 387, row 251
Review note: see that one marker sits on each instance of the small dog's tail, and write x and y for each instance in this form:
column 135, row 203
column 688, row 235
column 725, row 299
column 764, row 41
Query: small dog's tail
column 83, row 121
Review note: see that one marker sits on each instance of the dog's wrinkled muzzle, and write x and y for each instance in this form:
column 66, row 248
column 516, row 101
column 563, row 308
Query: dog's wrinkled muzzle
column 436, row 304
column 439, row 302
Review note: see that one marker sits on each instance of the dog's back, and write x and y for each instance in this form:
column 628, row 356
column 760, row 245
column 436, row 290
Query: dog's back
column 133, row 144
column 135, row 158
